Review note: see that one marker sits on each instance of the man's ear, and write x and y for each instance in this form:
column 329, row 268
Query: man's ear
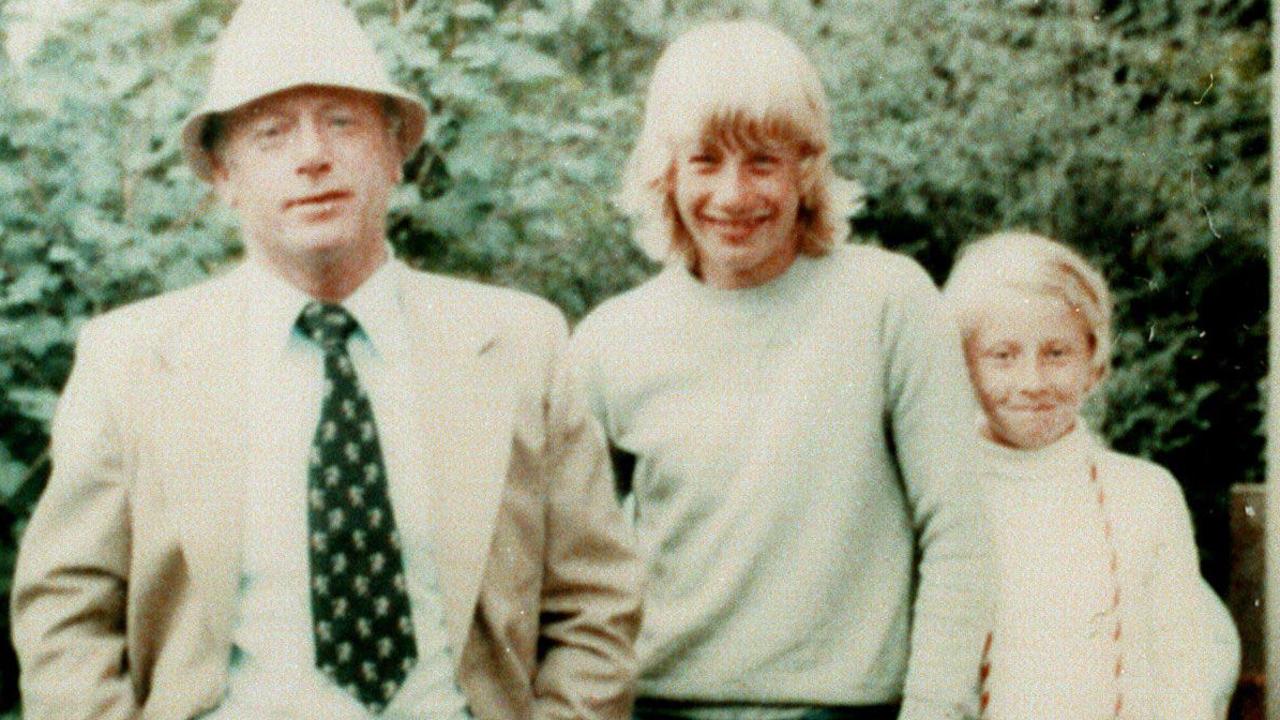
column 220, row 177
column 397, row 159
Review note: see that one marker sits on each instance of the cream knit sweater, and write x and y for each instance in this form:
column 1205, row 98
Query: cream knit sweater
column 798, row 443
column 1077, row 637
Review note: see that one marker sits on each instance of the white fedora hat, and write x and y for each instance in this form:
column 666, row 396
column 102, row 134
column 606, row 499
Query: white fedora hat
column 273, row 45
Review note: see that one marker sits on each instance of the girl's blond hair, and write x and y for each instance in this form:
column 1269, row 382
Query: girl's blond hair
column 1035, row 264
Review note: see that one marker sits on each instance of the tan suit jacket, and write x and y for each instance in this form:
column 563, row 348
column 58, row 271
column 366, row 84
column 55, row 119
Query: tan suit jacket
column 125, row 592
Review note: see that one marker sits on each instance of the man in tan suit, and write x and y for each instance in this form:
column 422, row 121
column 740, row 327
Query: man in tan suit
column 323, row 485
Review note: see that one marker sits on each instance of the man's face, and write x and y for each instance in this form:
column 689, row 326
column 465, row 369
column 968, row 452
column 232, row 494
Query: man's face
column 309, row 171
column 739, row 206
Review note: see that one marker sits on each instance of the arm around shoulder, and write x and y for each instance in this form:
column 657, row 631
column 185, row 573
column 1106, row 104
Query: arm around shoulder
column 68, row 605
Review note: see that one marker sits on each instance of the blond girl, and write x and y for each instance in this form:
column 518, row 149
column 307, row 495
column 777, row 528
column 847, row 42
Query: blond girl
column 1102, row 612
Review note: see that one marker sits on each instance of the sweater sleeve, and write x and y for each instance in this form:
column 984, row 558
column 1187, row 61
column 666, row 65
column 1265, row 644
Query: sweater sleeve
column 930, row 418
column 1180, row 638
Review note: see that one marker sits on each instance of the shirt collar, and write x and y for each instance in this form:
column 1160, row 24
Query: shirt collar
column 375, row 305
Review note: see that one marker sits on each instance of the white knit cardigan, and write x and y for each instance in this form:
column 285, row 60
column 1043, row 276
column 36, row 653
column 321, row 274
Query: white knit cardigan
column 1078, row 635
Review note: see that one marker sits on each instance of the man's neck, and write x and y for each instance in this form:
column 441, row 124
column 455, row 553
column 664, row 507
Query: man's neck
column 330, row 280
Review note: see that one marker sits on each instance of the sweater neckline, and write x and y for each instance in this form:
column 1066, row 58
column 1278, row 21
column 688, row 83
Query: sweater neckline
column 793, row 281
column 1068, row 457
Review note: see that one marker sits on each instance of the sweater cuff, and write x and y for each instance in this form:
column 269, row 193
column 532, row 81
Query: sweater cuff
column 917, row 708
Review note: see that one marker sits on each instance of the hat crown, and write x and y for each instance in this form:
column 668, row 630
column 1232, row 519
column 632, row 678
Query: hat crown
column 271, row 45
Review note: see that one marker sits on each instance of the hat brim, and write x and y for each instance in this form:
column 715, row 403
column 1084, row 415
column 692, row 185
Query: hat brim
column 413, row 115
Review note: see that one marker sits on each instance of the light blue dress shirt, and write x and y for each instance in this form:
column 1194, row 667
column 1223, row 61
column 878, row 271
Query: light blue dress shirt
column 272, row 664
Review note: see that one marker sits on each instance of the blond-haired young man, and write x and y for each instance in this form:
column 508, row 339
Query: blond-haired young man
column 792, row 413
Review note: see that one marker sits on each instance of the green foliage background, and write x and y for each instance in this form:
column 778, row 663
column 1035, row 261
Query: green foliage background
column 1134, row 129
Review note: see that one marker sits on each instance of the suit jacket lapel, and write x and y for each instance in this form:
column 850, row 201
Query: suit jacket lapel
column 465, row 405
column 463, row 401
column 204, row 441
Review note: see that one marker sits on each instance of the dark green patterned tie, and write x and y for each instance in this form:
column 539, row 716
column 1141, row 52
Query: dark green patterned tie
column 359, row 604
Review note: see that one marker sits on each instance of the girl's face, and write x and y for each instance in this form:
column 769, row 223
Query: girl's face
column 1031, row 362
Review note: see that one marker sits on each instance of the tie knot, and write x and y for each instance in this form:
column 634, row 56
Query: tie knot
column 327, row 325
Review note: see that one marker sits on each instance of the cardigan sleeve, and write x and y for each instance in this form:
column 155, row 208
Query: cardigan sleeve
column 1179, row 630
column 1221, row 659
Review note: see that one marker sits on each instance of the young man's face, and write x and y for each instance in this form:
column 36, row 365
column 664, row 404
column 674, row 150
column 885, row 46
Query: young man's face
column 310, row 171
column 1031, row 362
column 739, row 206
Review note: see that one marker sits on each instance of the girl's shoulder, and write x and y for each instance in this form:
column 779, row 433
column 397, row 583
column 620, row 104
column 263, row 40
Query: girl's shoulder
column 1138, row 481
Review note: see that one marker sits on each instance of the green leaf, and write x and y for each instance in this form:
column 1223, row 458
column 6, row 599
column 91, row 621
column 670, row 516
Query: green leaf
column 183, row 273
column 523, row 64
column 531, row 23
column 30, row 285
column 473, row 11
column 476, row 55
column 535, row 195
column 452, row 213
column 38, row 334
column 12, row 473
column 35, row 403
column 459, row 86
column 63, row 254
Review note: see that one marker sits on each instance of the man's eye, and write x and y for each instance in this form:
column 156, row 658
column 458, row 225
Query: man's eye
column 341, row 121
column 268, row 130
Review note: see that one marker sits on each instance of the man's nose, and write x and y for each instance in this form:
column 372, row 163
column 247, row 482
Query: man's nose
column 732, row 189
column 314, row 150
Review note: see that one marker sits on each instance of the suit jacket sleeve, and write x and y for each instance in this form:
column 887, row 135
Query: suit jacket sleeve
column 591, row 591
column 69, row 590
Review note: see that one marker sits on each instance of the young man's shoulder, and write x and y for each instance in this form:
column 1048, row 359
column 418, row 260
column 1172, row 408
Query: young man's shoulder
column 1132, row 467
column 647, row 302
column 875, row 268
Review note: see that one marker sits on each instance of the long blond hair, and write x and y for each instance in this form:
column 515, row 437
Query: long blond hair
column 741, row 79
